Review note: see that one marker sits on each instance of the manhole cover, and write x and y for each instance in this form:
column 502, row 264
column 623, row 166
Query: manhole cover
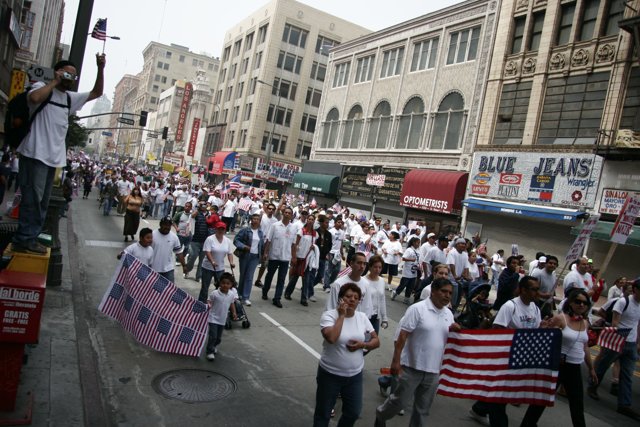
column 193, row 385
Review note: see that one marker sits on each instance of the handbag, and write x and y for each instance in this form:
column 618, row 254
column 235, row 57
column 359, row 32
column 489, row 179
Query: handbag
column 237, row 252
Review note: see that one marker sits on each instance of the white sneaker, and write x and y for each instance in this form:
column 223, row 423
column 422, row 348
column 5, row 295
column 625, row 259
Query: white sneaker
column 479, row 418
column 393, row 296
column 215, row 350
column 185, row 275
column 247, row 303
column 211, row 357
column 327, row 291
column 313, row 299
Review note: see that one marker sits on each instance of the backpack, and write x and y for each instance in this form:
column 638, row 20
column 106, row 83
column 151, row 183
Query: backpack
column 609, row 312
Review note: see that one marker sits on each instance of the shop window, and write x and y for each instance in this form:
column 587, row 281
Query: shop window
column 330, row 129
column 448, row 123
column 353, row 128
column 379, row 126
column 411, row 124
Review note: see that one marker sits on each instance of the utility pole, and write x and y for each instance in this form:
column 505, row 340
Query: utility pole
column 80, row 33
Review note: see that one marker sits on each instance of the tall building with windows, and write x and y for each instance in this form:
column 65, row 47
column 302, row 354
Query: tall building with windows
column 41, row 24
column 400, row 111
column 558, row 138
column 269, row 89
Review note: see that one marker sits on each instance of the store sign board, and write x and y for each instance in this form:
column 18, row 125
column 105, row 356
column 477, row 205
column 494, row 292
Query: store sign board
column 392, row 184
column 278, row 171
column 354, row 181
column 613, row 200
column 376, row 180
column 556, row 179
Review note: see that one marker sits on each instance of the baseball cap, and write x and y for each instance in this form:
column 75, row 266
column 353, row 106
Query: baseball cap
column 430, row 235
column 460, row 240
column 542, row 259
column 166, row 219
column 221, row 224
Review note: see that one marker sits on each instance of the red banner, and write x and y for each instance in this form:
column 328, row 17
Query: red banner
column 184, row 108
column 195, row 128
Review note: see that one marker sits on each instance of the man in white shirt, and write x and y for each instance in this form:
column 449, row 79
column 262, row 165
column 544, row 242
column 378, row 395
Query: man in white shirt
column 229, row 212
column 497, row 265
column 166, row 247
column 159, row 196
column 535, row 263
column 142, row 248
column 417, row 355
column 579, row 278
column 267, row 220
column 358, row 263
column 43, row 149
column 124, row 188
column 216, row 200
column 181, row 196
column 457, row 259
column 336, row 255
column 424, row 250
column 279, row 247
column 547, row 278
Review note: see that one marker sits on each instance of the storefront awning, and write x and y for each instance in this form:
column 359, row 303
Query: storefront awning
column 431, row 190
column 523, row 209
column 603, row 232
column 222, row 160
column 327, row 184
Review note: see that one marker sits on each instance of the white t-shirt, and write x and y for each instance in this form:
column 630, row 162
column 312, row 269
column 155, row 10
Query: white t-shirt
column 614, row 292
column 393, row 249
column 497, row 267
column 474, row 272
column 410, row 268
column 436, row 254
column 220, row 304
column 46, row 140
column 336, row 358
column 165, row 247
column 428, row 327
column 230, row 208
column 218, row 251
column 255, row 242
column 459, row 260
column 185, row 224
column 515, row 314
column 424, row 250
column 337, row 237
column 334, row 290
column 547, row 281
column 630, row 317
column 305, row 243
column 376, row 291
column 281, row 237
column 266, row 223
column 144, row 255
column 576, row 280
column 181, row 197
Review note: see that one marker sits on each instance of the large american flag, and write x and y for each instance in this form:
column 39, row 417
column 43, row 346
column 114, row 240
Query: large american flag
column 613, row 338
column 100, row 30
column 154, row 310
column 502, row 365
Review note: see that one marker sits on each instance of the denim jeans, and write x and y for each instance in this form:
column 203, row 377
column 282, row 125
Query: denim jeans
column 308, row 282
column 157, row 210
column 168, row 205
column 327, row 391
column 169, row 275
column 408, row 283
column 248, row 264
column 282, row 267
column 35, row 180
column 627, row 360
column 207, row 277
column 107, row 204
column 322, row 265
column 185, row 241
column 215, row 336
column 195, row 251
column 331, row 273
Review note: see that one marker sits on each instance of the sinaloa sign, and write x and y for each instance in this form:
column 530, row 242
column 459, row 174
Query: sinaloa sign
column 566, row 179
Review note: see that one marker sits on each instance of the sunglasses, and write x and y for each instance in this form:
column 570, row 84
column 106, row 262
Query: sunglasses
column 580, row 302
column 534, row 289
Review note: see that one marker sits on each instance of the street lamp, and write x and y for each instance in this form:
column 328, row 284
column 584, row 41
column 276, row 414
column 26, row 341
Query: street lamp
column 273, row 129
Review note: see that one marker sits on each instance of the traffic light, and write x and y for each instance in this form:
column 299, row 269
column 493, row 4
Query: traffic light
column 143, row 118
column 165, row 132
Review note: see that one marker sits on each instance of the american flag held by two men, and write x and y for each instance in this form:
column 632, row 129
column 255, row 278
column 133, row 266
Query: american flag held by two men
column 502, row 365
column 154, row 310
column 100, row 30
column 613, row 338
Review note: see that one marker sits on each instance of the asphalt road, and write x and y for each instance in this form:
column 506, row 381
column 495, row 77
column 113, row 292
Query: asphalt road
column 272, row 365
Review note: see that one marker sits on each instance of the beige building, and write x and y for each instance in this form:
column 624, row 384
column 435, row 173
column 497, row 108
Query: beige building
column 403, row 105
column 124, row 96
column 41, row 24
column 284, row 44
column 558, row 135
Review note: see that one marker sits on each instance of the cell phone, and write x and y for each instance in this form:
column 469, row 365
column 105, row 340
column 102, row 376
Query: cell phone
column 68, row 76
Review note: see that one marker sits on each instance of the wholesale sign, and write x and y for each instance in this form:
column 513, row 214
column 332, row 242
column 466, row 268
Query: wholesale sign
column 557, row 179
column 184, row 108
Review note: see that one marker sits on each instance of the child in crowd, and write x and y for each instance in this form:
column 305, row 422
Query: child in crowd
column 142, row 248
column 219, row 302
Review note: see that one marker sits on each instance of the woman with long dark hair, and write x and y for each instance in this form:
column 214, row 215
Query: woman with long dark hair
column 133, row 204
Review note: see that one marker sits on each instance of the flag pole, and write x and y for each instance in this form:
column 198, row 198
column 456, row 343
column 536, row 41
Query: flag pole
column 104, row 42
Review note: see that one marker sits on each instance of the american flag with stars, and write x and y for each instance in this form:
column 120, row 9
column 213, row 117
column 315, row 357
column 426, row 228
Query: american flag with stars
column 154, row 310
column 613, row 338
column 502, row 365
column 100, row 30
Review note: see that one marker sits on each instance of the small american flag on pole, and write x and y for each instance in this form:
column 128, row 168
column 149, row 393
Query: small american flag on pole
column 154, row 310
column 613, row 338
column 502, row 365
column 100, row 29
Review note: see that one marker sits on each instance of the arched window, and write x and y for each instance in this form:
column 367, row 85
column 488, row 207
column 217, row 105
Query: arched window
column 448, row 124
column 353, row 128
column 411, row 124
column 379, row 126
column 330, row 129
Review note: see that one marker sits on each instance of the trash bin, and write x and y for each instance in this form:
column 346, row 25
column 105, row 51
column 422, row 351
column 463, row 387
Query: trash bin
column 21, row 303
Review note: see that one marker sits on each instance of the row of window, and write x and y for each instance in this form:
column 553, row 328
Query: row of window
column 463, row 47
column 248, row 43
column 194, row 62
column 447, row 127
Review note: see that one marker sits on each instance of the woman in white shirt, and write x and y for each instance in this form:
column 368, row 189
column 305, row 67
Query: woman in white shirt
column 376, row 288
column 409, row 270
column 340, row 370
column 391, row 250
column 215, row 248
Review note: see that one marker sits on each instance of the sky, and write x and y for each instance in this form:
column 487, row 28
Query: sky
column 200, row 25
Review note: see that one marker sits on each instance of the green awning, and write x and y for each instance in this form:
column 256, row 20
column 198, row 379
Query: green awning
column 327, row 184
column 603, row 232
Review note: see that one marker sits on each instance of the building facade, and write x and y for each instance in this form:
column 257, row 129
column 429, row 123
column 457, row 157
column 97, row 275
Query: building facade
column 124, row 95
column 556, row 140
column 272, row 71
column 400, row 111
column 41, row 25
column 10, row 37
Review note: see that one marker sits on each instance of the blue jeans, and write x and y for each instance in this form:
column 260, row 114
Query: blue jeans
column 331, row 272
column 107, row 204
column 215, row 336
column 185, row 241
column 169, row 275
column 35, row 180
column 157, row 210
column 248, row 264
column 627, row 360
column 282, row 267
column 195, row 251
column 329, row 386
column 409, row 283
column 168, row 205
column 322, row 265
column 207, row 277
column 308, row 282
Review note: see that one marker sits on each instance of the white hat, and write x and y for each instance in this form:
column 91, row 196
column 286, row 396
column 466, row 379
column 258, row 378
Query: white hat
column 430, row 235
column 542, row 260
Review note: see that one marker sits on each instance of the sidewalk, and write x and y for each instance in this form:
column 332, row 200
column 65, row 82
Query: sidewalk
column 52, row 369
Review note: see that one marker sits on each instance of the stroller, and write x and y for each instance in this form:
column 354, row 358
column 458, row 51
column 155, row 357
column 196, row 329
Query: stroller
column 242, row 316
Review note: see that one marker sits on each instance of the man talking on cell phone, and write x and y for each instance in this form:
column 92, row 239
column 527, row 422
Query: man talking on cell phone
column 43, row 149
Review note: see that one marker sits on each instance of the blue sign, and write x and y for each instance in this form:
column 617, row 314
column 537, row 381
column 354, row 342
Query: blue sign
column 105, row 133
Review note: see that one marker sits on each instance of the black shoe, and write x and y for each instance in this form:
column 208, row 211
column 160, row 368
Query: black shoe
column 614, row 389
column 126, row 239
column 277, row 303
column 258, row 284
column 629, row 412
column 287, row 297
column 593, row 393
column 264, row 297
column 306, row 304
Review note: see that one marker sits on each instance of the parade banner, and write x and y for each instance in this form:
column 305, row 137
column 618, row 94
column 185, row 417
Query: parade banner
column 624, row 223
column 502, row 365
column 154, row 310
column 566, row 180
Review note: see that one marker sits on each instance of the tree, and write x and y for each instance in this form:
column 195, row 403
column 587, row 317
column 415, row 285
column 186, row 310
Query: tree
column 77, row 135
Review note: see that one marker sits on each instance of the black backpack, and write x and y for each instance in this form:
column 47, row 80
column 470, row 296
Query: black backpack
column 609, row 312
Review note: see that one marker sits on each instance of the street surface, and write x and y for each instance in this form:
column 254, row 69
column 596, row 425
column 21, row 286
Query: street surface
column 273, row 363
